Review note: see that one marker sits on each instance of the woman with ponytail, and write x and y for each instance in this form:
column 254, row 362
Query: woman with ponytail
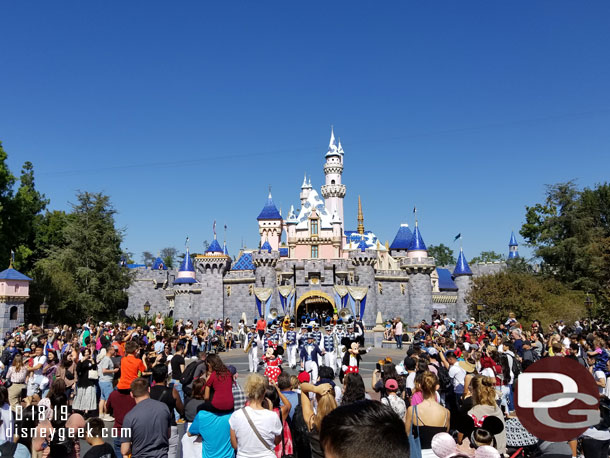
column 485, row 405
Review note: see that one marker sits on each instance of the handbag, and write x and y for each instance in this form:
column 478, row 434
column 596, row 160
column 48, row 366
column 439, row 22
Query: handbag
column 93, row 374
column 414, row 442
column 260, row 438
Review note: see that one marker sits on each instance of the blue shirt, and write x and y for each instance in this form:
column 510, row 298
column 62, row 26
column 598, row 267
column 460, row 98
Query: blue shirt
column 21, row 451
column 294, row 401
column 216, row 434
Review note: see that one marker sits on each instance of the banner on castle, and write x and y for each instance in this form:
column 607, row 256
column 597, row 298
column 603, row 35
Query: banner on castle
column 358, row 293
column 286, row 293
column 341, row 297
column 262, row 296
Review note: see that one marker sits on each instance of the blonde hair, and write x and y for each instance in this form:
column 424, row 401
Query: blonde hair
column 428, row 383
column 294, row 382
column 483, row 390
column 17, row 362
column 326, row 404
column 256, row 386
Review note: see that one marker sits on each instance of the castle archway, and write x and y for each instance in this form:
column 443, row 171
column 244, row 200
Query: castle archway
column 314, row 302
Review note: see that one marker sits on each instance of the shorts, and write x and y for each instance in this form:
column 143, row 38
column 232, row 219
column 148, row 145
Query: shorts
column 105, row 390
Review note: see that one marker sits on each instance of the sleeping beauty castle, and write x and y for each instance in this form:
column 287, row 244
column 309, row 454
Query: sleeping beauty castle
column 319, row 267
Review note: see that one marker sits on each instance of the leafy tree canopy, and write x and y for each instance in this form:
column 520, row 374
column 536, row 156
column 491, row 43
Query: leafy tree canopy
column 488, row 256
column 442, row 254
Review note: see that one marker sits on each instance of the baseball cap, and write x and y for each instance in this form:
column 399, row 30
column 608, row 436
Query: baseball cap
column 232, row 369
column 304, row 377
column 391, row 384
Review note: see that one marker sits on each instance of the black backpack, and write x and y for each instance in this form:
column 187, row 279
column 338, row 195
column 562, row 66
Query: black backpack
column 444, row 380
column 189, row 373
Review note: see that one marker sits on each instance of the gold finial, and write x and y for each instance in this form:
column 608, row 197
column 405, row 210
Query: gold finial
column 387, row 245
column 360, row 217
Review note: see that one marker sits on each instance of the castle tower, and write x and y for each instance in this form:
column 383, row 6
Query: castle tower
column 418, row 266
column 305, row 189
column 186, row 272
column 211, row 266
column 513, row 247
column 14, row 291
column 270, row 224
column 333, row 190
column 462, row 276
column 401, row 242
column 265, row 260
column 363, row 260
column 360, row 218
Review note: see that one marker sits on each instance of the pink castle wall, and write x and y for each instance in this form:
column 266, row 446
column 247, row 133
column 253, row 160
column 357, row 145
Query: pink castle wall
column 19, row 288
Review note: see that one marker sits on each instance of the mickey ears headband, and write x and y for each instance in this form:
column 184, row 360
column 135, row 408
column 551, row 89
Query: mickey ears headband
column 468, row 424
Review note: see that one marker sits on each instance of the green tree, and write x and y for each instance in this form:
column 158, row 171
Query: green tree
column 528, row 296
column 568, row 233
column 147, row 257
column 82, row 276
column 442, row 254
column 487, row 256
column 168, row 254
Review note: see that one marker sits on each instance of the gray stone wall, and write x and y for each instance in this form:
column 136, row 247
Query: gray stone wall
column 464, row 284
column 420, row 287
column 392, row 301
column 239, row 298
column 363, row 267
column 154, row 286
column 6, row 323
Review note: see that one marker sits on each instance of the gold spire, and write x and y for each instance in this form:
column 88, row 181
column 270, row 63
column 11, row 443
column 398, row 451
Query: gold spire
column 360, row 217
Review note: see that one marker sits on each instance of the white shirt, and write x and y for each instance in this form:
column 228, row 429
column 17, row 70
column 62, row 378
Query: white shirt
column 410, row 381
column 39, row 360
column 7, row 429
column 249, row 445
column 398, row 329
column 457, row 375
column 599, row 375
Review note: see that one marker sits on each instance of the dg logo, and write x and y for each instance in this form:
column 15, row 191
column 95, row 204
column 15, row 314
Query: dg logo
column 556, row 399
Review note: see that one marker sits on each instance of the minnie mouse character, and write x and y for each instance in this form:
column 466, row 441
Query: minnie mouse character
column 273, row 361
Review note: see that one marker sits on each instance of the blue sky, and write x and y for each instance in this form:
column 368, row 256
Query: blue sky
column 185, row 112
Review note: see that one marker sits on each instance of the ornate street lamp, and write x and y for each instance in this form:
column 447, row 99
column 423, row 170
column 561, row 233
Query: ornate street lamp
column 589, row 305
column 480, row 308
column 263, row 281
column 146, row 310
column 44, row 309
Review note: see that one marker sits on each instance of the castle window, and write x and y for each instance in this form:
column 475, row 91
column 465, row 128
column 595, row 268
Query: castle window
column 332, row 181
column 13, row 314
column 314, row 251
column 314, row 227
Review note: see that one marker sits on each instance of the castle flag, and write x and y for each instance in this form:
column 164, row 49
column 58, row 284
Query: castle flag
column 459, row 236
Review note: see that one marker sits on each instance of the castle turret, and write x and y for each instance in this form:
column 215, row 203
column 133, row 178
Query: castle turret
column 270, row 224
column 513, row 247
column 265, row 260
column 212, row 266
column 462, row 277
column 363, row 260
column 305, row 189
column 417, row 248
column 14, row 291
column 333, row 190
column 418, row 266
column 402, row 241
column 186, row 272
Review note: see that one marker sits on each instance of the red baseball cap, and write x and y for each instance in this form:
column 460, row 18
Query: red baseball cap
column 304, row 377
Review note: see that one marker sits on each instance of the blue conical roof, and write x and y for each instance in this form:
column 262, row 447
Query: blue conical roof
column 417, row 242
column 12, row 274
column 362, row 245
column 403, row 238
column 158, row 263
column 462, row 267
column 214, row 247
column 266, row 246
column 269, row 211
column 187, row 264
column 226, row 250
column 513, row 239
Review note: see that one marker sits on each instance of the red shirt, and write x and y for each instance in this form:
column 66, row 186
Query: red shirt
column 223, row 391
column 119, row 404
column 130, row 367
column 261, row 325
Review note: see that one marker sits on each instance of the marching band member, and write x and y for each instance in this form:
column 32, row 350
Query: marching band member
column 291, row 346
column 330, row 357
column 252, row 349
column 309, row 357
column 317, row 335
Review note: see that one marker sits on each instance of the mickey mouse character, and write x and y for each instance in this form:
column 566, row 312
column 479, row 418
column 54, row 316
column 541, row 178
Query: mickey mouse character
column 273, row 361
column 352, row 357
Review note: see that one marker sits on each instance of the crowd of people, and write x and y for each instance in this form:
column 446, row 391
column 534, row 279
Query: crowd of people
column 450, row 394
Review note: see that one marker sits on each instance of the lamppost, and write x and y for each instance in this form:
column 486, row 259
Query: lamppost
column 263, row 281
column 589, row 305
column 356, row 278
column 44, row 309
column 146, row 310
column 480, row 307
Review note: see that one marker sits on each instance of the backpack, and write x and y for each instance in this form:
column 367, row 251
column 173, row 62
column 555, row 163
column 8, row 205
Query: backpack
column 515, row 367
column 8, row 449
column 444, row 380
column 189, row 373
